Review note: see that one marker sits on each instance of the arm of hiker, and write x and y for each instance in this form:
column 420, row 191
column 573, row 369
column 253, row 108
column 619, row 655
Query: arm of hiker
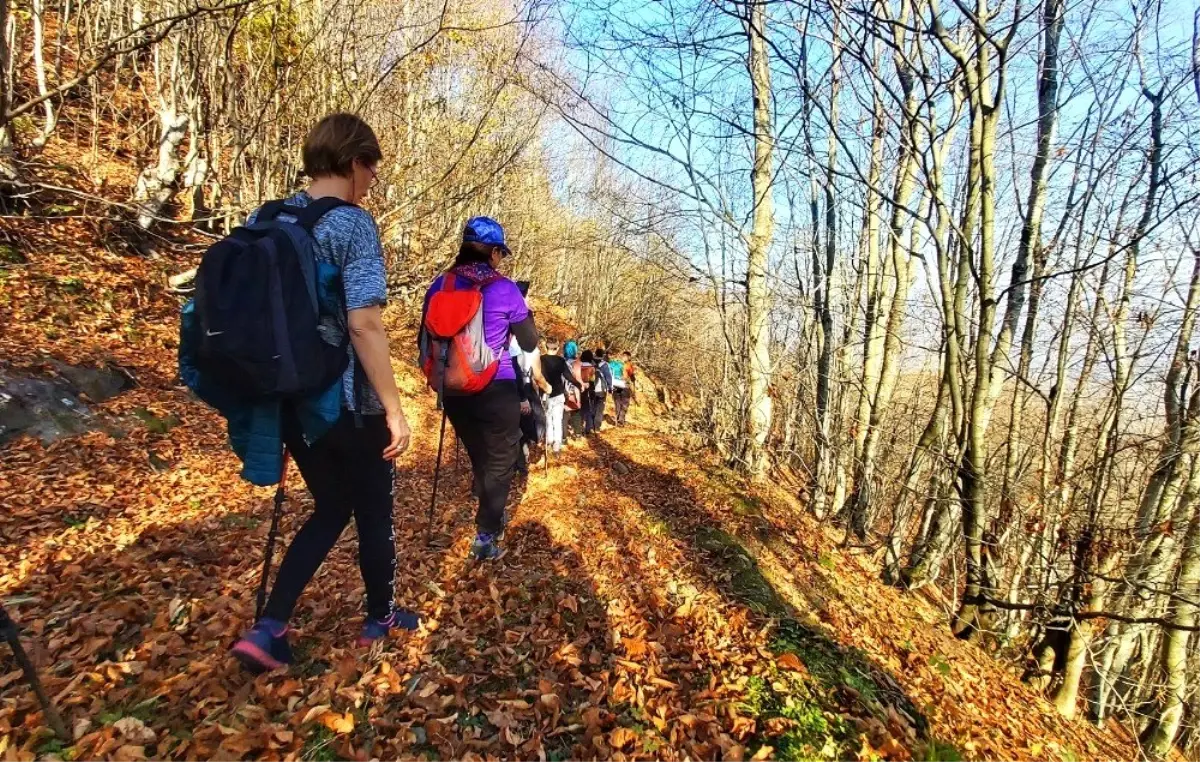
column 539, row 378
column 370, row 341
column 571, row 378
column 364, row 282
column 526, row 332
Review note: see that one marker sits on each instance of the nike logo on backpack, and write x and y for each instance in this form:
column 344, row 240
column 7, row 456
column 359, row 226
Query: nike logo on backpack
column 213, row 333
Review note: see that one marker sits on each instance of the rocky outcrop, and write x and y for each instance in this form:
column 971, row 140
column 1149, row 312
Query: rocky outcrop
column 53, row 401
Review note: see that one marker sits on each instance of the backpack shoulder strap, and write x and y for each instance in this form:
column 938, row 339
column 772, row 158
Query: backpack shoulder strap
column 448, row 280
column 307, row 217
column 270, row 210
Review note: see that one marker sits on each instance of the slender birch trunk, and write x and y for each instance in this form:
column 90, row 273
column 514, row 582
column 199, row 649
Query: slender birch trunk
column 1029, row 249
column 983, row 70
column 8, row 167
column 39, row 68
column 873, row 324
column 758, row 307
column 1164, row 728
column 892, row 305
column 823, row 267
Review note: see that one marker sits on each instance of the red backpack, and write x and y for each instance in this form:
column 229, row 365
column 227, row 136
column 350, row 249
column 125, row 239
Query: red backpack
column 582, row 372
column 455, row 356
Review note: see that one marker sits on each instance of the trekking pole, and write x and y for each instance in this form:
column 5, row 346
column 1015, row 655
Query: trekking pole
column 280, row 497
column 13, row 636
column 437, row 469
column 457, row 452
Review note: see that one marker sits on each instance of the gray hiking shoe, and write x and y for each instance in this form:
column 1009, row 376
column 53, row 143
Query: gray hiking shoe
column 486, row 547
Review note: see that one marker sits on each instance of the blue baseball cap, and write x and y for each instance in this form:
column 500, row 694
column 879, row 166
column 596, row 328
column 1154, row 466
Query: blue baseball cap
column 485, row 230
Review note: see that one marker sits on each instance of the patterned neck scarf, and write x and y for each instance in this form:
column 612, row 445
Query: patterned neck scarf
column 480, row 273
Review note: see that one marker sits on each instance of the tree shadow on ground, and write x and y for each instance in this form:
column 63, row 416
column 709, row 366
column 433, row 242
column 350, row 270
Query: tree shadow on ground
column 514, row 657
column 843, row 698
column 138, row 622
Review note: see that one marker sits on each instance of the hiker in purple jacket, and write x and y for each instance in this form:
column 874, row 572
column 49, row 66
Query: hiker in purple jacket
column 489, row 422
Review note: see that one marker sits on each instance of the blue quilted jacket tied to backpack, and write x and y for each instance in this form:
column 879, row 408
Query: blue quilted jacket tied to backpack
column 255, row 427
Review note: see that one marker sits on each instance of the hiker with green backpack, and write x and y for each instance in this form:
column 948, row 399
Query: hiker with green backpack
column 285, row 338
column 621, row 368
column 470, row 313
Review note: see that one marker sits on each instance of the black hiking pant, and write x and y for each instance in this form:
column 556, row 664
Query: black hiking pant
column 489, row 425
column 347, row 475
column 621, row 401
column 598, row 403
column 573, row 421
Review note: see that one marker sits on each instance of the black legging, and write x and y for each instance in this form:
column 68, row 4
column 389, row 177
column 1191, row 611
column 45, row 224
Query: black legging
column 347, row 475
column 489, row 425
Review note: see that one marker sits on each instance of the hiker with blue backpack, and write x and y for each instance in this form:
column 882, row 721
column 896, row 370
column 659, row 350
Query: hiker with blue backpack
column 285, row 337
column 470, row 313
column 601, row 390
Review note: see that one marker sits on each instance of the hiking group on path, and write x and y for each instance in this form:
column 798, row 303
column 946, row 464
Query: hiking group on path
column 285, row 338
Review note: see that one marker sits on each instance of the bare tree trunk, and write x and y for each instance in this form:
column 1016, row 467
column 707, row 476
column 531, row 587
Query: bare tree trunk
column 976, row 613
column 823, row 265
column 1066, row 698
column 1030, row 248
column 1164, row 728
column 930, row 551
column 1144, row 566
column 39, row 68
column 156, row 183
column 873, row 320
column 892, row 309
column 758, row 307
column 894, row 573
column 1165, row 725
column 8, row 167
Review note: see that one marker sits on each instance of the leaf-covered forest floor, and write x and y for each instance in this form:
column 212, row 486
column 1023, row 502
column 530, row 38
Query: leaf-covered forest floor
column 652, row 604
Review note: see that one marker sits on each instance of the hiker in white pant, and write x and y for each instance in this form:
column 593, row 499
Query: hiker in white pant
column 555, row 409
column 558, row 374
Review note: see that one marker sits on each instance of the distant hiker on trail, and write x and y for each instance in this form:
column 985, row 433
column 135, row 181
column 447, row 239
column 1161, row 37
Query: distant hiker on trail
column 603, row 387
column 573, row 422
column 331, row 399
column 530, row 384
column 621, row 367
column 481, row 395
column 533, row 420
column 556, row 371
column 586, row 370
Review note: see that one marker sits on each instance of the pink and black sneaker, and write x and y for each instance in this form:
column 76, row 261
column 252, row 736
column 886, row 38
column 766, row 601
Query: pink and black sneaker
column 265, row 647
column 375, row 629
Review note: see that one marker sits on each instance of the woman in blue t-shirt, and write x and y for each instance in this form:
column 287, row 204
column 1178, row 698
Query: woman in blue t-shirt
column 350, row 469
